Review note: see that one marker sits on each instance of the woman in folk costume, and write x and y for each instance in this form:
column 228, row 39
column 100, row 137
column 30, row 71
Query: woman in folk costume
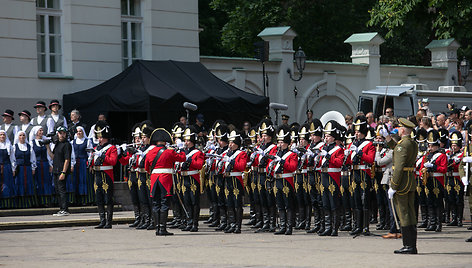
column 83, row 183
column 24, row 169
column 7, row 182
column 42, row 178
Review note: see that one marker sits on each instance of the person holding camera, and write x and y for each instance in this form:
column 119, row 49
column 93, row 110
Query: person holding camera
column 61, row 163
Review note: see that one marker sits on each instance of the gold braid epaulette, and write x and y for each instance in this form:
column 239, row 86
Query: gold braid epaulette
column 410, row 169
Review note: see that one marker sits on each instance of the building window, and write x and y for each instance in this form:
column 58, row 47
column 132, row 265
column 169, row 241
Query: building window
column 131, row 31
column 49, row 37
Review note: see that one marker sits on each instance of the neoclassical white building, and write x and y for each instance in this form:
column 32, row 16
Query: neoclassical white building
column 53, row 47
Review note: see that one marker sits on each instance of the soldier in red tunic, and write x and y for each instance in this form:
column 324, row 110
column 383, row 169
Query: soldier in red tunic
column 190, row 171
column 159, row 163
column 281, row 168
column 331, row 162
column 234, row 165
column 103, row 159
column 454, row 185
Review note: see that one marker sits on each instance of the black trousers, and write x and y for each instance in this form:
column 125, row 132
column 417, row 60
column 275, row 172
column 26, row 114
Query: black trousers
column 133, row 187
column 143, row 188
column 160, row 198
column 234, row 193
column 314, row 181
column 213, row 196
column 361, row 184
column 60, row 186
column 284, row 195
column 331, row 195
column 266, row 194
column 345, row 191
column 103, row 188
column 300, row 190
column 191, row 191
column 380, row 192
column 435, row 193
column 220, row 190
column 454, row 191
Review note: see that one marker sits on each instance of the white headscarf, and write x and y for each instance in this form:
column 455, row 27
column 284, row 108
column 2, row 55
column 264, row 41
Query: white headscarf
column 79, row 140
column 22, row 146
column 7, row 143
column 33, row 132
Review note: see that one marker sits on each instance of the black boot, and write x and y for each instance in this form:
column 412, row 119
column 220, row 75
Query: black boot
column 189, row 222
column 258, row 216
column 446, row 213
column 151, row 222
column 109, row 217
column 162, row 219
column 223, row 219
column 155, row 216
column 328, row 223
column 216, row 221
column 289, row 222
column 432, row 223
column 336, row 222
column 137, row 217
column 302, row 219
column 424, row 217
column 440, row 220
column 211, row 218
column 308, row 211
column 266, row 221
column 348, row 221
column 357, row 222
column 146, row 215
column 101, row 213
column 365, row 230
column 196, row 217
column 382, row 218
column 322, row 221
column 239, row 220
column 252, row 215
column 273, row 219
column 409, row 241
column 231, row 221
column 316, row 222
column 460, row 214
column 178, row 215
column 453, row 221
column 283, row 222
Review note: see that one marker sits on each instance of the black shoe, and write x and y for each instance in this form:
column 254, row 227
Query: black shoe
column 406, row 250
column 347, row 228
column 469, row 239
column 188, row 228
column 423, row 224
column 289, row 231
column 356, row 231
column 469, row 228
column 216, row 223
column 221, row 227
column 281, row 231
column 194, row 229
column 102, row 221
column 258, row 225
column 431, row 228
column 327, row 232
column 314, row 230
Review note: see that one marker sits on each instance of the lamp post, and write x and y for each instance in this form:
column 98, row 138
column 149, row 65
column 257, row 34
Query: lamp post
column 464, row 68
column 300, row 59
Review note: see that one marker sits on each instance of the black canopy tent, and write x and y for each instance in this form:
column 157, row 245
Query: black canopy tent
column 156, row 90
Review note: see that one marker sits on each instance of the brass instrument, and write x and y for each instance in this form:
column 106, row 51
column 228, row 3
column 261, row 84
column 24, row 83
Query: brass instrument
column 424, row 176
column 203, row 178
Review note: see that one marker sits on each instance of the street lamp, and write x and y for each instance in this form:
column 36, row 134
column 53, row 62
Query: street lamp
column 300, row 59
column 464, row 68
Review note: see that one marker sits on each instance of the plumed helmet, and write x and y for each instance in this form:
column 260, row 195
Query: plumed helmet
column 222, row 132
column 266, row 127
column 136, row 130
column 102, row 130
column 294, row 132
column 342, row 132
column 252, row 134
column 304, row 133
column 235, row 137
column 160, row 134
column 177, row 130
column 370, row 134
column 413, row 134
column 350, row 136
column 217, row 123
column 433, row 137
column 283, row 134
column 456, row 138
column 332, row 128
column 190, row 134
column 360, row 124
column 421, row 135
column 146, row 128
column 316, row 127
column 443, row 135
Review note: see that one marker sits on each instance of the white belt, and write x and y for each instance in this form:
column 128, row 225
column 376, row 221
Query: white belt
column 437, row 174
column 102, row 168
column 330, row 170
column 188, row 173
column 233, row 174
column 380, row 169
column 304, row 171
column 132, row 169
column 453, row 174
column 163, row 171
column 345, row 173
column 318, row 169
column 358, row 167
column 284, row 175
column 141, row 170
column 417, row 173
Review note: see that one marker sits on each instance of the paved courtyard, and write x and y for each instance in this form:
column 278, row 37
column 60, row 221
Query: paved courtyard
column 122, row 246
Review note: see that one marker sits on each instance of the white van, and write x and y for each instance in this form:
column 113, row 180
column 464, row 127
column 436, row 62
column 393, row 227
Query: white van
column 404, row 98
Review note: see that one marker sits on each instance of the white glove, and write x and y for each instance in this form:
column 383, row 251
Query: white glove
column 180, row 144
column 391, row 192
column 465, row 181
column 293, row 146
column 310, row 153
column 323, row 153
column 295, row 150
column 428, row 165
column 467, row 159
column 277, row 158
column 212, row 147
column 383, row 132
column 123, row 147
column 353, row 148
column 260, row 151
column 225, row 158
column 346, row 152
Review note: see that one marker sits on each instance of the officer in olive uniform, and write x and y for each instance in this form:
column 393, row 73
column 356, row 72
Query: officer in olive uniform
column 403, row 185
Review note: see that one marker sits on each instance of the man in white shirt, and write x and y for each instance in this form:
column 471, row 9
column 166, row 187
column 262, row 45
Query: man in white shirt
column 41, row 119
column 55, row 119
column 25, row 119
column 8, row 126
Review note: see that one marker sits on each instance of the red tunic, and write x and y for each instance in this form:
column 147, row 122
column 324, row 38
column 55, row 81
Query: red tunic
column 441, row 164
column 240, row 163
column 198, row 159
column 111, row 157
column 290, row 165
column 368, row 156
column 336, row 161
column 166, row 160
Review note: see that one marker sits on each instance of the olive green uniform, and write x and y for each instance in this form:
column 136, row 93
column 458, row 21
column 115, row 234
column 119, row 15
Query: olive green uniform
column 403, row 180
